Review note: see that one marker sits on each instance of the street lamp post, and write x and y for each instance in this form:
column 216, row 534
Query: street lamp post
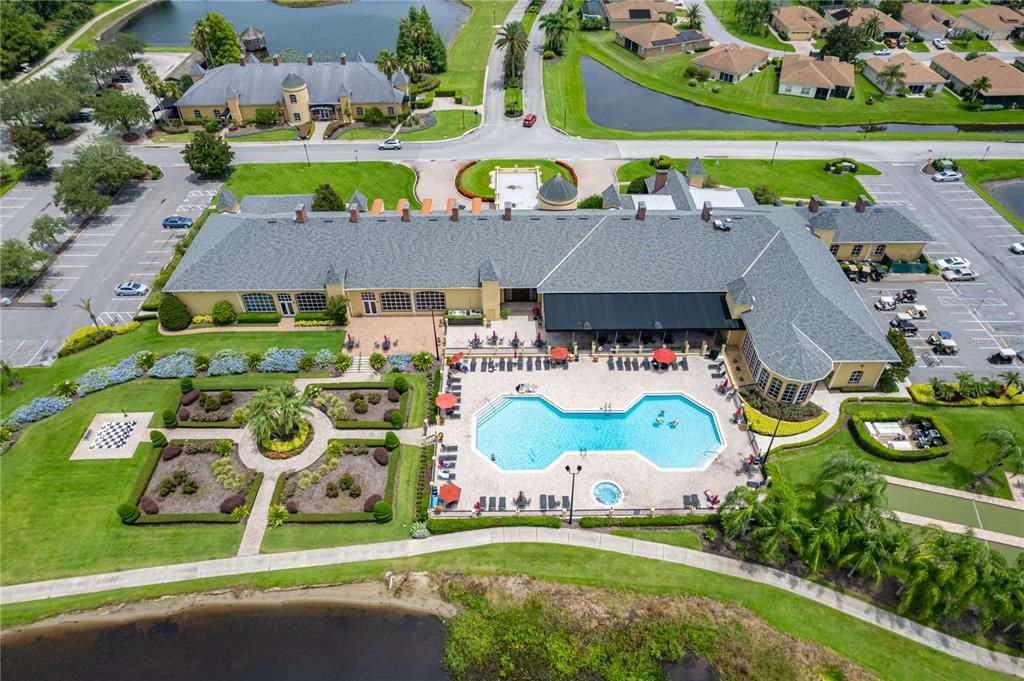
column 764, row 460
column 572, row 492
column 433, row 325
column 305, row 149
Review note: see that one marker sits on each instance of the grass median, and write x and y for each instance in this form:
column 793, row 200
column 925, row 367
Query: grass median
column 450, row 123
column 977, row 173
column 375, row 179
column 468, row 52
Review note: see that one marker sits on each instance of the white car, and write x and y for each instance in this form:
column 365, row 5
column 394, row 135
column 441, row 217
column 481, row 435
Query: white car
column 947, row 176
column 884, row 52
column 940, row 44
column 390, row 144
column 131, row 288
column 960, row 274
column 1017, row 248
column 952, row 263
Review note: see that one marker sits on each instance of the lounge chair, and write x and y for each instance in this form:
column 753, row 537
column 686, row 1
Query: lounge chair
column 543, row 503
column 483, row 503
column 472, row 364
column 501, row 364
column 491, row 504
column 552, row 504
column 449, row 448
column 565, row 502
column 529, row 363
column 686, row 501
column 611, row 364
column 684, row 365
column 618, row 363
column 501, row 503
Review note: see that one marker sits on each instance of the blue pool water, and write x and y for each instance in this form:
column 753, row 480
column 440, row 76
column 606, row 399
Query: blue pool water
column 529, row 433
column 607, row 493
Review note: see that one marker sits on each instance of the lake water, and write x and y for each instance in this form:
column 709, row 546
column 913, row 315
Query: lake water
column 636, row 108
column 1011, row 196
column 363, row 26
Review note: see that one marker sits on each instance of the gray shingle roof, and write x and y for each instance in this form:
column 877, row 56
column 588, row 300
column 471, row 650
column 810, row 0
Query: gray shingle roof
column 291, row 81
column 252, row 33
column 227, row 202
column 271, row 204
column 611, row 198
column 889, row 224
column 360, row 201
column 260, row 84
column 676, row 187
column 196, row 70
column 558, row 190
column 695, row 168
column 488, row 272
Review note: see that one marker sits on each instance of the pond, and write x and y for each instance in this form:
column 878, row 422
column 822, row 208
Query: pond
column 1011, row 196
column 363, row 26
column 636, row 108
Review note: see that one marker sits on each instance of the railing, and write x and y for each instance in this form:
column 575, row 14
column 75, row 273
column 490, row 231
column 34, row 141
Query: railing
column 578, row 512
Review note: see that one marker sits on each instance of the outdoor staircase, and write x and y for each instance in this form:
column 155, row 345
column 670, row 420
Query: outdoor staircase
column 360, row 370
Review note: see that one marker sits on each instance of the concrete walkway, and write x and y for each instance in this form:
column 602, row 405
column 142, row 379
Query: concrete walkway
column 239, row 565
column 256, row 525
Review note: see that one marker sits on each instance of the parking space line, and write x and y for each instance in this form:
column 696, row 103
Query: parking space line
column 168, row 251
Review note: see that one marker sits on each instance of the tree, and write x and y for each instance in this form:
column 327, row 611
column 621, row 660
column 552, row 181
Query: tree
column 979, row 86
column 99, row 63
column 155, row 86
column 890, row 76
column 18, row 262
column 893, row 8
column 23, row 42
column 130, row 44
column 30, row 151
column 1011, row 379
column 337, row 309
column 116, row 109
column 45, row 230
column 765, row 195
column 276, row 412
column 900, row 371
column 326, row 199
column 694, row 16
column 388, row 64
column 416, row 66
column 513, row 40
column 843, row 42
column 752, row 15
column 85, row 304
column 41, row 101
column 207, row 155
column 417, row 38
column 8, row 371
column 966, row 384
column 215, row 37
column 871, row 27
column 172, row 313
column 95, row 172
column 1009, row 451
column 557, row 28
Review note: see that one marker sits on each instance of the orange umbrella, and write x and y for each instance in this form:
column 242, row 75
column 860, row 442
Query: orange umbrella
column 455, row 358
column 449, row 493
column 664, row 356
column 446, row 400
column 559, row 354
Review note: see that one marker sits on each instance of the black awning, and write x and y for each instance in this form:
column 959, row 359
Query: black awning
column 637, row 312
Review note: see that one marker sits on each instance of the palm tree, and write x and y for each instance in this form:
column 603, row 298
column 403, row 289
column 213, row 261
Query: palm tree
column 871, row 27
column 512, row 38
column 824, row 542
column 1009, row 450
column 890, row 76
column 1011, row 379
column 845, row 479
column 936, row 384
column 416, row 66
column 982, row 84
column 86, row 305
column 8, row 371
column 200, row 40
column 557, row 27
column 737, row 511
column 276, row 515
column 276, row 412
column 872, row 547
column 779, row 527
column 694, row 16
column 388, row 63
column 966, row 384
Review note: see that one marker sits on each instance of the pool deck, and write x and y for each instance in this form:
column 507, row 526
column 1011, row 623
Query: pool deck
column 588, row 385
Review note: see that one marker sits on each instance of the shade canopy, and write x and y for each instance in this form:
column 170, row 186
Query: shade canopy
column 455, row 358
column 664, row 356
column 446, row 400
column 449, row 493
column 632, row 312
column 558, row 354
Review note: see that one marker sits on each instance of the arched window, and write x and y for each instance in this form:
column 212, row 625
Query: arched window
column 258, row 302
column 430, row 300
column 311, row 302
column 395, row 301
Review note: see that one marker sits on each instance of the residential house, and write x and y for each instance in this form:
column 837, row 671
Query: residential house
column 804, row 76
column 993, row 22
column 731, row 63
column 340, row 90
column 926, row 20
column 659, row 39
column 796, row 22
column 742, row 271
column 634, row 12
column 855, row 17
column 593, row 9
column 917, row 77
column 1007, row 82
column 867, row 232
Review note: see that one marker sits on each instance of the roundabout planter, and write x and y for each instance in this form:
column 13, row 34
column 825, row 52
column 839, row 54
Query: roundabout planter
column 277, row 449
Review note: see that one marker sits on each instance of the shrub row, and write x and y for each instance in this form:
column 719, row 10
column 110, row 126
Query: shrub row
column 648, row 521
column 449, row 525
column 922, row 393
column 444, row 92
column 765, row 425
column 88, row 336
column 152, row 303
column 876, row 448
column 426, row 464
column 314, row 317
column 258, row 318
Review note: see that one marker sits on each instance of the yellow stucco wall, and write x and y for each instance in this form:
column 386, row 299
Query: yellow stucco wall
column 455, row 299
column 300, row 107
column 899, row 252
column 490, row 294
column 842, row 370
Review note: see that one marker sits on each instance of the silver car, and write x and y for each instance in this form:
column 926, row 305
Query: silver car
column 960, row 274
column 131, row 288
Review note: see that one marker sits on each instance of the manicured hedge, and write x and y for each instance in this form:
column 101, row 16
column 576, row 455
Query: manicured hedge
column 173, row 314
column 765, row 425
column 258, row 318
column 449, row 525
column 648, row 521
column 444, row 92
column 922, row 393
column 471, row 320
column 314, row 317
column 876, row 448
column 426, row 465
column 370, row 425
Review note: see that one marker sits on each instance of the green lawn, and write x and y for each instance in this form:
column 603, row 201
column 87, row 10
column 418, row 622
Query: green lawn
column 528, row 20
column 800, row 466
column 514, row 97
column 171, row 138
column 365, row 134
column 956, row 9
column 85, row 41
column 12, row 177
column 723, row 10
column 169, row 48
column 468, row 52
column 977, row 172
column 792, row 179
column 684, row 538
column 755, row 96
column 375, row 179
column 917, row 47
column 972, row 45
column 887, row 655
column 477, row 179
column 450, row 123
column 267, row 136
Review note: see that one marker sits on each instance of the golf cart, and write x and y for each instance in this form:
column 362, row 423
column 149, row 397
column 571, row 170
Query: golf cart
column 1003, row 356
column 877, row 273
column 864, row 272
column 917, row 312
column 939, row 336
column 947, row 346
column 885, row 304
column 906, row 327
column 907, row 295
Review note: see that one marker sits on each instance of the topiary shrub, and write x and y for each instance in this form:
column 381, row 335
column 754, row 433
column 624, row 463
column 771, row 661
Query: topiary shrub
column 548, row 54
column 183, row 414
column 186, row 385
column 149, row 505
column 355, row 491
column 292, row 506
column 226, row 397
column 370, row 503
column 210, row 403
column 373, row 398
column 172, row 313
column 157, row 439
column 377, row 361
column 401, row 384
column 382, row 512
column 391, row 441
column 171, row 451
column 692, row 82
column 190, row 397
column 232, row 502
column 170, row 420
column 223, row 313
column 331, row 490
column 637, row 185
column 394, row 395
column 381, row 455
column 128, row 513
column 396, row 419
column 360, row 407
column 355, row 396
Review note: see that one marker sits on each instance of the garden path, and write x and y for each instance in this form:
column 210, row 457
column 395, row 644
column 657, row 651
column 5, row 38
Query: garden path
column 256, row 525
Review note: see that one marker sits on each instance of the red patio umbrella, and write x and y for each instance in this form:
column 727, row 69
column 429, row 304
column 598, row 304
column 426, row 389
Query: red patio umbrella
column 664, row 356
column 449, row 493
column 559, row 354
column 455, row 358
column 446, row 400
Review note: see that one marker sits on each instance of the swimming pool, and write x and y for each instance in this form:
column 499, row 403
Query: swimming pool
column 607, row 493
column 530, row 433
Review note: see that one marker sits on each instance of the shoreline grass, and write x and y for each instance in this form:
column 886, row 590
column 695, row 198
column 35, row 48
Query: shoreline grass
column 86, row 41
column 469, row 50
column 375, row 179
column 976, row 173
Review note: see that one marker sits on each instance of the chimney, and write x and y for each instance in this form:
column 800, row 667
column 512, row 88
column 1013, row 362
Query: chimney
column 309, row 59
column 777, row 203
column 800, row 203
column 405, row 213
column 353, row 214
column 815, row 203
column 862, row 204
column 705, row 212
column 641, row 211
column 344, row 59
column 300, row 213
column 241, row 60
column 455, row 213
column 660, row 178
column 844, row 203
column 507, row 217
column 277, row 60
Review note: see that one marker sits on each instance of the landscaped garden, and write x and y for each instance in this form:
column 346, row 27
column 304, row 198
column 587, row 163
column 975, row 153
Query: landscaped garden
column 375, row 179
column 476, row 179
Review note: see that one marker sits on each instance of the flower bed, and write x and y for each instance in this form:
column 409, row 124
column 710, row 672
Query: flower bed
column 765, row 425
column 127, row 369
column 213, row 408
column 355, row 396
column 922, row 393
column 286, row 449
column 39, row 408
column 180, row 364
column 281, row 359
column 227, row 362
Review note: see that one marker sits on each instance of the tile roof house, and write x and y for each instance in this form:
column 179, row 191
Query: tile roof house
column 593, row 9
column 1007, row 83
column 659, row 39
column 797, row 22
column 855, row 17
column 926, row 20
column 992, row 22
column 804, row 76
column 917, row 77
column 308, row 91
column 633, row 12
column 731, row 63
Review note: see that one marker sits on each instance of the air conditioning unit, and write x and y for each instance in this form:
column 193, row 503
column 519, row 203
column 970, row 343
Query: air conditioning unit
column 722, row 225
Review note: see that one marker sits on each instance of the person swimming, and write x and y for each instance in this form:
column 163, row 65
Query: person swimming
column 674, row 423
column 659, row 421
column 661, row 413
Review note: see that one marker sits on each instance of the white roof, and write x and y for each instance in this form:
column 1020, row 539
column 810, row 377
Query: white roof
column 719, row 198
column 656, row 201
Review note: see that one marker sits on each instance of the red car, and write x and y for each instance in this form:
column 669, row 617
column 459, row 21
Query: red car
column 529, row 120
column 115, row 86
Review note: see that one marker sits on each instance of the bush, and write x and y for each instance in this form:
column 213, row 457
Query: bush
column 716, row 88
column 394, row 395
column 807, row 411
column 360, row 407
column 594, row 201
column 648, row 521
column 190, row 397
column 391, row 441
column 157, row 439
column 258, row 318
column 449, row 525
column 355, row 491
column 900, row 372
column 382, row 512
column 225, row 397
column 764, row 425
column 223, row 313
column 183, row 414
column 281, row 360
column 149, row 506
column 396, row 419
column 692, row 82
column 224, row 362
column 212, row 127
column 331, row 490
column 170, row 420
column 355, row 396
column 128, row 513
column 637, row 185
column 342, row 362
column 232, row 502
column 371, row 503
column 171, row 451
column 548, row 54
column 381, row 455
column 764, row 195
column 373, row 398
column 173, row 314
column 377, row 361
column 691, row 70
column 307, row 363
column 83, row 338
column 186, row 385
column 401, row 384
column 291, row 506
column 264, row 116
column 211, row 403
column 180, row 364
column 39, row 408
